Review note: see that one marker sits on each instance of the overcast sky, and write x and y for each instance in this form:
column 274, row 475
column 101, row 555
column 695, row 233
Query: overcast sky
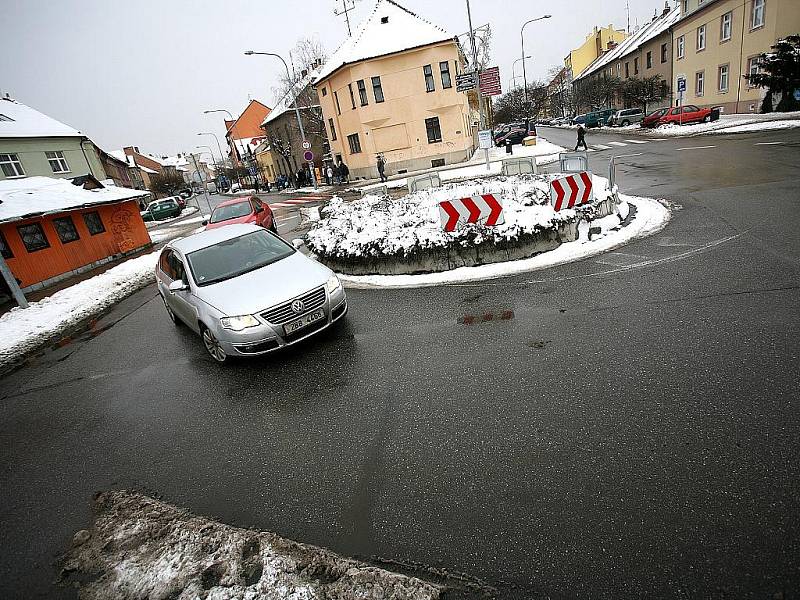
column 141, row 73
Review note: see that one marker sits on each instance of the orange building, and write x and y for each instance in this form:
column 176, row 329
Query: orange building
column 51, row 229
column 245, row 133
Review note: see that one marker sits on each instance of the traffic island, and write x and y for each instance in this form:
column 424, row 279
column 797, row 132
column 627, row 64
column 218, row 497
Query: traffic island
column 377, row 235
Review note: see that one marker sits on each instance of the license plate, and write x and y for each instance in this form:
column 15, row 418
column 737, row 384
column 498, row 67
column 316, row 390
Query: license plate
column 304, row 321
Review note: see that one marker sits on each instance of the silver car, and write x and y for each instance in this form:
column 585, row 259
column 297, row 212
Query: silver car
column 246, row 291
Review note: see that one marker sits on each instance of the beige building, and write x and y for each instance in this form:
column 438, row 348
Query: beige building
column 717, row 42
column 391, row 89
column 600, row 41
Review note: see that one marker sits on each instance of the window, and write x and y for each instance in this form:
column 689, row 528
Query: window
column 93, row 222
column 433, row 129
column 437, row 162
column 649, row 60
column 635, row 66
column 5, row 251
column 430, row 85
column 324, row 92
column 753, row 67
column 11, row 165
column 355, row 144
column 57, row 161
column 664, row 53
column 724, row 76
column 333, row 129
column 685, row 6
column 352, row 97
column 362, row 92
column 338, row 108
column 377, row 90
column 681, row 49
column 65, row 229
column 699, row 83
column 758, row 13
column 701, row 38
column 627, row 70
column 444, row 70
column 33, row 237
column 726, row 26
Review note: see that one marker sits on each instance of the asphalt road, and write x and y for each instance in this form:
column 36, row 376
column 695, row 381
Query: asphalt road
column 631, row 433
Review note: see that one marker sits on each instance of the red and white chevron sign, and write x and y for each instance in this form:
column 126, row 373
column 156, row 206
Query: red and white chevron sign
column 485, row 209
column 568, row 191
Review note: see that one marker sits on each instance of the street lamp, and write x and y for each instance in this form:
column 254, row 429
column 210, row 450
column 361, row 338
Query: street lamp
column 514, row 70
column 220, row 153
column 522, row 41
column 234, row 150
column 296, row 110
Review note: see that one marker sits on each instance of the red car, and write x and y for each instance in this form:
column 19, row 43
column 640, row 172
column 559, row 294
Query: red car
column 652, row 120
column 242, row 210
column 690, row 114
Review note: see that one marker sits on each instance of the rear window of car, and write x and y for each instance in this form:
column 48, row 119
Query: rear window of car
column 231, row 211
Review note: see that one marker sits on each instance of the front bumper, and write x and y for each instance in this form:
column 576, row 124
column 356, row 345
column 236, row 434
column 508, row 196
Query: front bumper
column 266, row 338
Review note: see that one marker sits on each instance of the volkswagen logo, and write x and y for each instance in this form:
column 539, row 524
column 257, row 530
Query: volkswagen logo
column 298, row 306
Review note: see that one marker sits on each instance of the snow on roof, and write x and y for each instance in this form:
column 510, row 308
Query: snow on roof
column 146, row 170
column 34, row 196
column 287, row 102
column 631, row 43
column 389, row 29
column 23, row 121
column 120, row 155
column 246, row 145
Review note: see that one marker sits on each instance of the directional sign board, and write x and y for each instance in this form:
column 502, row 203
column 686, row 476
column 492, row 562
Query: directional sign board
column 308, row 156
column 486, row 210
column 490, row 82
column 566, row 192
column 465, row 82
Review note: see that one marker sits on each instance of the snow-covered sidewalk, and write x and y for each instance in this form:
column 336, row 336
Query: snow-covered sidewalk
column 651, row 216
column 23, row 330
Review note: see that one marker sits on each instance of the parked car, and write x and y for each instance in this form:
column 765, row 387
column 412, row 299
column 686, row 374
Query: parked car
column 515, row 134
column 242, row 210
column 689, row 114
column 653, row 119
column 159, row 210
column 499, row 131
column 211, row 187
column 246, row 292
column 625, row 117
column 598, row 118
column 561, row 121
column 579, row 119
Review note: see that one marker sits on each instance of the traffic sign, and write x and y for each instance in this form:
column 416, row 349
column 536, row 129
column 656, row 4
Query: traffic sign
column 568, row 191
column 308, row 156
column 485, row 139
column 486, row 210
column 490, row 82
column 251, row 170
column 465, row 82
column 306, row 145
column 681, row 84
column 797, row 94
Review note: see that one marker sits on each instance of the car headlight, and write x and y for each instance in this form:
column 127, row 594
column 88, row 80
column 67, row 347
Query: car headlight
column 239, row 323
column 332, row 284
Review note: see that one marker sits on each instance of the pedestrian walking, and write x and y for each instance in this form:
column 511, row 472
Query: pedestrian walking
column 382, row 167
column 329, row 175
column 581, row 138
column 258, row 188
column 345, row 172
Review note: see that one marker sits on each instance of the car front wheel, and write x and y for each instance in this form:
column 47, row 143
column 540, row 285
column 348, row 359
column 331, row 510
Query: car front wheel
column 626, row 123
column 212, row 346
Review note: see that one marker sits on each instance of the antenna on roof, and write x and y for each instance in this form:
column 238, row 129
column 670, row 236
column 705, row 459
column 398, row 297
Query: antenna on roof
column 347, row 6
column 628, row 10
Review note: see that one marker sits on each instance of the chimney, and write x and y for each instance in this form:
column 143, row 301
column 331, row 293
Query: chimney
column 666, row 8
column 611, row 45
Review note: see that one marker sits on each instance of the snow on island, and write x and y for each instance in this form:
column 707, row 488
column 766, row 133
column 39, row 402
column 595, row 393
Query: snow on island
column 379, row 235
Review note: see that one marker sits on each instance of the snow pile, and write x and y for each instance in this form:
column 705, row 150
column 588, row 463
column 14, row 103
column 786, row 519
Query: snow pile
column 143, row 548
column 22, row 330
column 381, row 227
column 650, row 217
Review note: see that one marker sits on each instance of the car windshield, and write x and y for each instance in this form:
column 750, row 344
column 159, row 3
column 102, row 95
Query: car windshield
column 237, row 256
column 231, row 211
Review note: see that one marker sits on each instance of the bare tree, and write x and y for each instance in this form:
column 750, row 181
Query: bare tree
column 483, row 43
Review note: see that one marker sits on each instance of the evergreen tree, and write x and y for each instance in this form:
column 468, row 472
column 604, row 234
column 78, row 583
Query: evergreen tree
column 780, row 73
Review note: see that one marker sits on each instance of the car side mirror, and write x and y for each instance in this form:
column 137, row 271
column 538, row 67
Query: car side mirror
column 298, row 243
column 178, row 286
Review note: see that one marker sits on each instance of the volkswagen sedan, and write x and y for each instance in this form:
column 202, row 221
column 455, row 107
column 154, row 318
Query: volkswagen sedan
column 245, row 291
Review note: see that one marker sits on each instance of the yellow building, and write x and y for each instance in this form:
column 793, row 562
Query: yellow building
column 717, row 42
column 597, row 43
column 266, row 162
column 391, row 89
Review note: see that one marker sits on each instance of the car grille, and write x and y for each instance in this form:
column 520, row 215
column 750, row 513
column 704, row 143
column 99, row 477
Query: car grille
column 283, row 313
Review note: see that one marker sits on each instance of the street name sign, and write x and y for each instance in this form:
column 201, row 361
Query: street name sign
column 490, row 82
column 465, row 82
column 566, row 192
column 485, row 209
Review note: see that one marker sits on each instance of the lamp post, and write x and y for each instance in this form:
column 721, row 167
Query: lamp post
column 514, row 70
column 220, row 152
column 477, row 76
column 294, row 102
column 234, row 149
column 522, row 42
column 213, row 158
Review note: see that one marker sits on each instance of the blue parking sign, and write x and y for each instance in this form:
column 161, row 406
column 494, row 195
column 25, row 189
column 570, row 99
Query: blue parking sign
column 681, row 85
column 797, row 94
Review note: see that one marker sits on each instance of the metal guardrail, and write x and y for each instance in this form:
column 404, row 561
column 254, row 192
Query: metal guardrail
column 573, row 162
column 423, row 182
column 520, row 166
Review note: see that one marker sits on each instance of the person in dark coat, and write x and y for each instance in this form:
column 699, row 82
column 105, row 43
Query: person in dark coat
column 581, row 138
column 344, row 171
column 382, row 167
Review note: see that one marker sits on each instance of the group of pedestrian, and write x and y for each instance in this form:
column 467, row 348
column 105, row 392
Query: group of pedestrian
column 337, row 174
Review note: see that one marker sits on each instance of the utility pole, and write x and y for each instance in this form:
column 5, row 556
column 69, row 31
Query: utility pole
column 347, row 6
column 628, row 11
column 477, row 75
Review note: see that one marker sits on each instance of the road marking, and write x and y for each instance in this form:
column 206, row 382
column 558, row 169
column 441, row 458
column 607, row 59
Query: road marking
column 591, row 150
column 627, row 155
column 636, row 141
column 617, row 144
column 601, row 147
column 767, row 143
column 658, row 140
column 697, row 148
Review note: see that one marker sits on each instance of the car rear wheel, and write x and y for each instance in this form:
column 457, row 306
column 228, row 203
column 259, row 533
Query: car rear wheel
column 625, row 123
column 170, row 314
column 212, row 345
column 707, row 119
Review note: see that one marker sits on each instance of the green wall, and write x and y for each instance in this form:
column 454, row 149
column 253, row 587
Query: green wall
column 31, row 152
